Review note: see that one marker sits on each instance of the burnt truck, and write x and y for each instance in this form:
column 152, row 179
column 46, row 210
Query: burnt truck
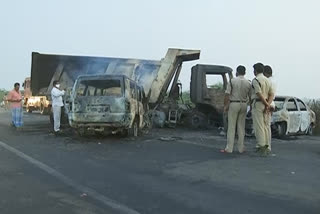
column 88, row 104
column 208, row 99
column 34, row 103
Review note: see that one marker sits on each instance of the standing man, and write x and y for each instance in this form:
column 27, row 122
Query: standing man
column 262, row 90
column 57, row 103
column 268, row 73
column 15, row 99
column 236, row 103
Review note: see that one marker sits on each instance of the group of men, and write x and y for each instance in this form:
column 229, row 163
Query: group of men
column 259, row 95
column 15, row 99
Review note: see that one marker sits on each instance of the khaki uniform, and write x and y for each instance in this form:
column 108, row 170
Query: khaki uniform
column 268, row 117
column 261, row 123
column 238, row 89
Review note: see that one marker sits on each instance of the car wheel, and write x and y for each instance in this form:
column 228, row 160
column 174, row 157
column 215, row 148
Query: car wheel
column 134, row 130
column 82, row 132
column 281, row 129
column 310, row 130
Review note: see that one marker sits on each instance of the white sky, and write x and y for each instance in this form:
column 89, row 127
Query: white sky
column 282, row 33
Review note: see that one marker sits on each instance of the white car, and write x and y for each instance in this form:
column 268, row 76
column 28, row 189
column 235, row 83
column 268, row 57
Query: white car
column 292, row 117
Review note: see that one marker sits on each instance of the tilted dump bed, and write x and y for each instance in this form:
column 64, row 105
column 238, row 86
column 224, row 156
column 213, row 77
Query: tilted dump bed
column 155, row 76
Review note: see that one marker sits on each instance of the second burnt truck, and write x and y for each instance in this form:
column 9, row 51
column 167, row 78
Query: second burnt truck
column 108, row 94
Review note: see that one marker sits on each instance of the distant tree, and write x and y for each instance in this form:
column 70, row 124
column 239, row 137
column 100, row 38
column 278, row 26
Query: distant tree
column 3, row 92
column 315, row 106
column 186, row 97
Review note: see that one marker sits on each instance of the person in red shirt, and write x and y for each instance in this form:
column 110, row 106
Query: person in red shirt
column 15, row 99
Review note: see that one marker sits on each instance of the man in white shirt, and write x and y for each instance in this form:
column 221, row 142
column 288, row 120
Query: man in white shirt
column 57, row 103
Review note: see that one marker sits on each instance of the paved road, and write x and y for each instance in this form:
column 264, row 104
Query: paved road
column 41, row 173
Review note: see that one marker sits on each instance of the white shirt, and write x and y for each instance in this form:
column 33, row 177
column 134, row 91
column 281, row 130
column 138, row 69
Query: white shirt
column 56, row 96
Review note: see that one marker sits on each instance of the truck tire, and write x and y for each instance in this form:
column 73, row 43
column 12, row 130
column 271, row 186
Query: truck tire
column 198, row 120
column 42, row 109
column 28, row 109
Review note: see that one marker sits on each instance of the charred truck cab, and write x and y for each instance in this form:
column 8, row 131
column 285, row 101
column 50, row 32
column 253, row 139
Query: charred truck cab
column 108, row 104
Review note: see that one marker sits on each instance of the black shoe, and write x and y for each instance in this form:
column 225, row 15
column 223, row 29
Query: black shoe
column 263, row 151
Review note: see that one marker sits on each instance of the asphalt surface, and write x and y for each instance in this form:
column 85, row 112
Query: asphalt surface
column 165, row 171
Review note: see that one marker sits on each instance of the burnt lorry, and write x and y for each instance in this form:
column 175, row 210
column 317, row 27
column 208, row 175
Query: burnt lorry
column 151, row 77
column 208, row 99
column 34, row 103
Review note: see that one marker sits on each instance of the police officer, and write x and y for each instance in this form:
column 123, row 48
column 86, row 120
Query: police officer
column 262, row 90
column 268, row 73
column 236, row 103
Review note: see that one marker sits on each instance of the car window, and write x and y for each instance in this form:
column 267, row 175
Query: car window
column 291, row 105
column 90, row 91
column 302, row 106
column 99, row 88
column 279, row 103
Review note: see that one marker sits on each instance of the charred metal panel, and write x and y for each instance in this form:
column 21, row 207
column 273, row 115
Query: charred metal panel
column 199, row 92
column 154, row 75
column 117, row 110
column 169, row 65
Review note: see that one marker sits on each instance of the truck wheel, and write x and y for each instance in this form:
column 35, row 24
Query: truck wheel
column 198, row 120
column 29, row 110
column 134, row 130
column 42, row 109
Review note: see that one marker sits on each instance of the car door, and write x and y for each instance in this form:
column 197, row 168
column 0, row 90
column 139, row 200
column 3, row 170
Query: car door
column 294, row 116
column 305, row 116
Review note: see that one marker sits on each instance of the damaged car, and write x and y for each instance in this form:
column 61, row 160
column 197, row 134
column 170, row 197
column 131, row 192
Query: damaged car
column 107, row 104
column 292, row 117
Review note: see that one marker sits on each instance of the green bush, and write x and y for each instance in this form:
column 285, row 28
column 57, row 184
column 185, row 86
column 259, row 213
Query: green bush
column 218, row 86
column 186, row 97
column 315, row 106
column 2, row 94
